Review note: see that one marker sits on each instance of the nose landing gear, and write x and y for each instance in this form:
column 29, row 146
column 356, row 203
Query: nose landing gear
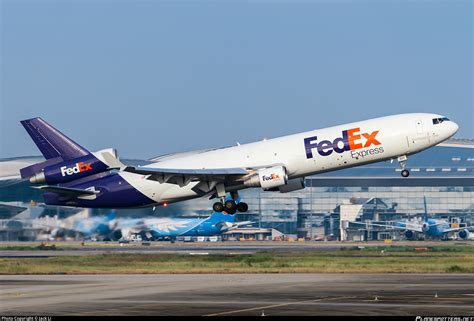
column 402, row 161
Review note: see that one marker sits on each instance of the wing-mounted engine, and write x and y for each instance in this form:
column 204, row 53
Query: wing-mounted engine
column 425, row 227
column 410, row 235
column 464, row 234
column 274, row 179
column 270, row 178
column 293, row 184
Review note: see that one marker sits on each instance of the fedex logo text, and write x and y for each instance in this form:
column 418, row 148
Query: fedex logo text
column 350, row 140
column 80, row 167
column 270, row 177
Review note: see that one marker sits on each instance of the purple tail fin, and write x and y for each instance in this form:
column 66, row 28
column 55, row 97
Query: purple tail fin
column 51, row 142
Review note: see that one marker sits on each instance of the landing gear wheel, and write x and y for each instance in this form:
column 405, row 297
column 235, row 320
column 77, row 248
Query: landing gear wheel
column 405, row 173
column 218, row 207
column 229, row 205
column 231, row 211
column 242, row 207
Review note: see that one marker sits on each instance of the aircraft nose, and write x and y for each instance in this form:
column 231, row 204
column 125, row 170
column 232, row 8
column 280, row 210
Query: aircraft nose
column 453, row 128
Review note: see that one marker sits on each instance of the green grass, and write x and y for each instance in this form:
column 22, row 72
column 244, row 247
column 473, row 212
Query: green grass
column 41, row 247
column 438, row 248
column 347, row 261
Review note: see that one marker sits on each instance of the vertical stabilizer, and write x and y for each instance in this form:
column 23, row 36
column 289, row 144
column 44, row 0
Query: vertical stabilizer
column 51, row 142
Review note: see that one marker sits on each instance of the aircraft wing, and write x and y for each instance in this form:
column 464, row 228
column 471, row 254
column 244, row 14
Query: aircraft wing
column 403, row 228
column 75, row 192
column 31, row 210
column 13, row 206
column 228, row 226
column 181, row 177
column 11, row 209
column 455, row 229
column 239, row 224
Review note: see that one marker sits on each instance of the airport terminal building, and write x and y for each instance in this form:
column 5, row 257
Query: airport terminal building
column 442, row 176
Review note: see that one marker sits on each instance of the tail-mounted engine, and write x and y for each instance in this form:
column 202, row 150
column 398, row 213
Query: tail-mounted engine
column 65, row 171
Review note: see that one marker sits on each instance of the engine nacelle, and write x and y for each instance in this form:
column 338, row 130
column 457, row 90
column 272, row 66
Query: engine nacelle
column 409, row 234
column 464, row 234
column 293, row 184
column 270, row 178
column 116, row 235
column 70, row 170
column 425, row 227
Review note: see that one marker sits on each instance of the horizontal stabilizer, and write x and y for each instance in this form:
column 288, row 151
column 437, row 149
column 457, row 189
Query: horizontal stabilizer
column 67, row 191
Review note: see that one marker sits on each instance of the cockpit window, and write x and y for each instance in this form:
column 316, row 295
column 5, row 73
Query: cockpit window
column 439, row 120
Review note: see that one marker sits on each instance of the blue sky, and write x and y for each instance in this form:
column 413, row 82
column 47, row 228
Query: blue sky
column 151, row 77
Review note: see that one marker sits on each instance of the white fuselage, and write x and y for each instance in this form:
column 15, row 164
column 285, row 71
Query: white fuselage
column 307, row 153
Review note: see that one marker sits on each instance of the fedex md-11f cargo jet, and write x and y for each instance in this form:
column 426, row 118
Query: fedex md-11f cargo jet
column 73, row 176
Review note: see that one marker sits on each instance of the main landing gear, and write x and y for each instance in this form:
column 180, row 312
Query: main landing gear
column 230, row 206
column 402, row 161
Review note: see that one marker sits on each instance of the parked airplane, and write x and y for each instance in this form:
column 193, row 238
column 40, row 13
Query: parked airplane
column 428, row 227
column 77, row 177
column 171, row 228
column 111, row 228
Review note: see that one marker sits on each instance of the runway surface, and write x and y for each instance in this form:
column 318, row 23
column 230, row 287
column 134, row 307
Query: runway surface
column 97, row 248
column 238, row 294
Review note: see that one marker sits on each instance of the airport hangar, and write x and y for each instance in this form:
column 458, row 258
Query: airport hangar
column 442, row 175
